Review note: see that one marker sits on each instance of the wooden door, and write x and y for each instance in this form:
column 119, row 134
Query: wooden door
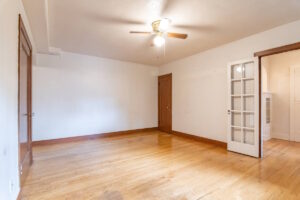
column 165, row 103
column 295, row 103
column 25, row 70
column 243, row 107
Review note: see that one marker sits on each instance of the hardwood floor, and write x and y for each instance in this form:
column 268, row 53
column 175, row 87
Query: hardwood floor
column 155, row 165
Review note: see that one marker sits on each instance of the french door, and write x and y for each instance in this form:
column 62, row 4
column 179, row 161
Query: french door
column 243, row 107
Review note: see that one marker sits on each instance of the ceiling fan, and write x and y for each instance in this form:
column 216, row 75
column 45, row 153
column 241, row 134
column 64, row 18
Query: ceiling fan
column 159, row 29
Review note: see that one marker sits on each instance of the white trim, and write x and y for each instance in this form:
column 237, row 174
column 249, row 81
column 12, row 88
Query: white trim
column 281, row 136
column 293, row 136
column 292, row 107
column 266, row 137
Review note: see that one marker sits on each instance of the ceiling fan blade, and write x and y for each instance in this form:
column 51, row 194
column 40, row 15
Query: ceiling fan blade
column 140, row 32
column 167, row 6
column 178, row 35
column 113, row 20
column 195, row 27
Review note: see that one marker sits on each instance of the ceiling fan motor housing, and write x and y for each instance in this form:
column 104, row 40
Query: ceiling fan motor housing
column 161, row 25
column 155, row 26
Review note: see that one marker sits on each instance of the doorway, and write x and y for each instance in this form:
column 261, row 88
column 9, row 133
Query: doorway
column 278, row 72
column 24, row 102
column 165, row 103
column 281, row 97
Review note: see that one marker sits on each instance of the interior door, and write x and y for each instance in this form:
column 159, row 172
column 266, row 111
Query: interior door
column 295, row 103
column 25, row 148
column 243, row 108
column 165, row 103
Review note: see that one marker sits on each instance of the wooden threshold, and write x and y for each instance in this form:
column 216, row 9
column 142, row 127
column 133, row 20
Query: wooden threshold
column 91, row 137
column 201, row 139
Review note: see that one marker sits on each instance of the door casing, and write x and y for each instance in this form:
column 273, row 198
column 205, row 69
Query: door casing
column 260, row 55
column 294, row 105
column 23, row 37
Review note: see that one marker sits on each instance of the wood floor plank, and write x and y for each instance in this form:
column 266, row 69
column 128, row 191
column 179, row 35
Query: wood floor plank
column 159, row 166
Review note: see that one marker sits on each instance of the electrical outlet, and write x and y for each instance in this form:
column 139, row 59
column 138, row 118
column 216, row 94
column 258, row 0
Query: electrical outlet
column 4, row 152
column 11, row 186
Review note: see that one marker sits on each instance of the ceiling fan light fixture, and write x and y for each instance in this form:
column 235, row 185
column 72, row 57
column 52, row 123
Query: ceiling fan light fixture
column 159, row 41
column 164, row 24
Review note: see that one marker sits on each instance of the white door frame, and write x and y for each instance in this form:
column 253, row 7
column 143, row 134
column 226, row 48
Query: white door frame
column 293, row 136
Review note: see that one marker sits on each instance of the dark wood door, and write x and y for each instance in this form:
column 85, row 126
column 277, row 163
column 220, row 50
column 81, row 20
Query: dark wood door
column 25, row 70
column 165, row 103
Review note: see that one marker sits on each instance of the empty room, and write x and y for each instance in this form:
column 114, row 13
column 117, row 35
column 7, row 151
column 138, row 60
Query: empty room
column 149, row 99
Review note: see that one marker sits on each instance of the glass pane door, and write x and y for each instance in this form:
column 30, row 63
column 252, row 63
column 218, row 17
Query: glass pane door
column 242, row 110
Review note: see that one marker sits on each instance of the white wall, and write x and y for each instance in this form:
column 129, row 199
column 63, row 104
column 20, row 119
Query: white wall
column 9, row 174
column 71, row 94
column 265, row 70
column 80, row 95
column 279, row 86
column 200, row 85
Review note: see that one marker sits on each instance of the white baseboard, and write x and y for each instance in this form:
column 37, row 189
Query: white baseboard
column 297, row 138
column 266, row 137
column 281, row 136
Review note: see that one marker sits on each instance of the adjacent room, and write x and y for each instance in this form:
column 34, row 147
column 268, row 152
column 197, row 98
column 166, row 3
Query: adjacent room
column 280, row 97
column 149, row 99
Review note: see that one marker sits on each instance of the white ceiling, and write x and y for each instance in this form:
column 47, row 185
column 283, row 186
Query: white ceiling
column 101, row 27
